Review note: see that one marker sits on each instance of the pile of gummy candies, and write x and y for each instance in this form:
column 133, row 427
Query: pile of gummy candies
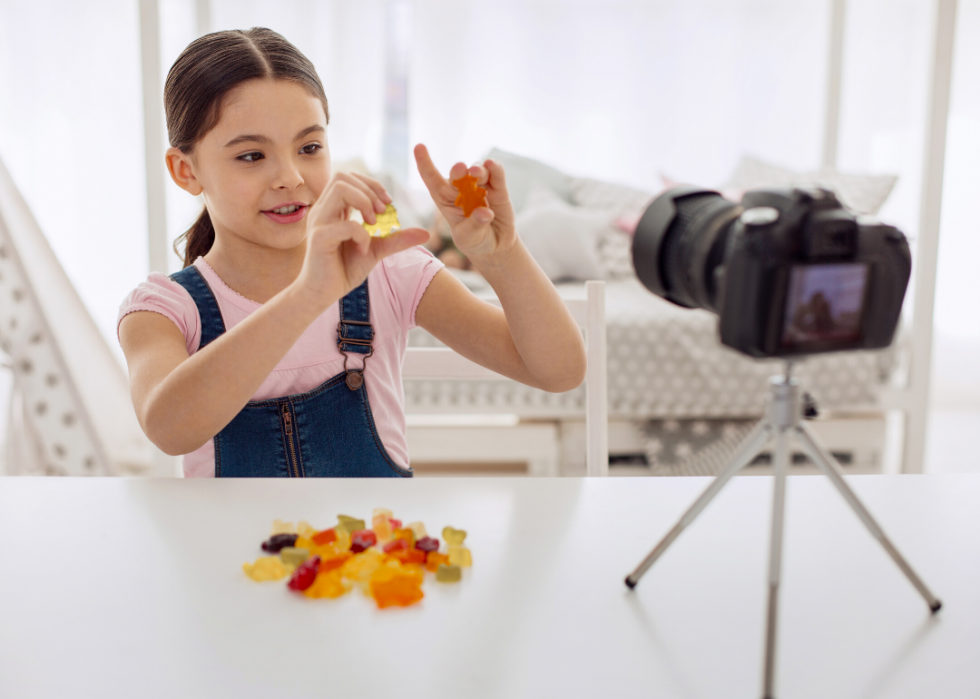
column 386, row 561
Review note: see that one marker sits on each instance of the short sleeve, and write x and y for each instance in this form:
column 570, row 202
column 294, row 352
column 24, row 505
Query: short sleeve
column 161, row 294
column 409, row 273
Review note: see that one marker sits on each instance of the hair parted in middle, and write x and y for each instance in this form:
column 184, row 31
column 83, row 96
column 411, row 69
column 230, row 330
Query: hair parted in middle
column 207, row 70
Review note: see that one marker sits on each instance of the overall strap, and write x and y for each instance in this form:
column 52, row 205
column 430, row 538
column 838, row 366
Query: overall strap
column 212, row 324
column 354, row 331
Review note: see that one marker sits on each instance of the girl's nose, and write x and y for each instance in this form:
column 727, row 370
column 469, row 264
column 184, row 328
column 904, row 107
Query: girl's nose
column 287, row 176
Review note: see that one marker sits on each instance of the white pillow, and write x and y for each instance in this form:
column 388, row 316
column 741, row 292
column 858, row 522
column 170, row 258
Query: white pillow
column 862, row 194
column 523, row 174
column 562, row 238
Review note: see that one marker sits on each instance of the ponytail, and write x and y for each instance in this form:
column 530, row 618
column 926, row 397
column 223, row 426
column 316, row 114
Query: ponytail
column 196, row 240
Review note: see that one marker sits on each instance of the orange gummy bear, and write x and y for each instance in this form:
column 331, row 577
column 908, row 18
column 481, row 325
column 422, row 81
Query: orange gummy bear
column 409, row 556
column 434, row 559
column 470, row 196
column 327, row 564
column 396, row 586
column 406, row 534
column 327, row 536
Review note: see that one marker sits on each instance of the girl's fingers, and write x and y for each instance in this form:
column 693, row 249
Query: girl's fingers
column 495, row 175
column 353, row 233
column 458, row 170
column 440, row 190
column 398, row 241
column 376, row 187
column 358, row 182
column 356, row 196
column 480, row 173
column 363, row 240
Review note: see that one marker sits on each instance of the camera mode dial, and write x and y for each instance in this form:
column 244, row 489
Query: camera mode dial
column 759, row 216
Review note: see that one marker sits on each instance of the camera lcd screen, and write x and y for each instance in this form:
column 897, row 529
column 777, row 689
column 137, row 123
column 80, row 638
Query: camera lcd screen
column 824, row 305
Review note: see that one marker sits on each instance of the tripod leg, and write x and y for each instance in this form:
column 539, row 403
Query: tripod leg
column 826, row 463
column 780, row 465
column 744, row 453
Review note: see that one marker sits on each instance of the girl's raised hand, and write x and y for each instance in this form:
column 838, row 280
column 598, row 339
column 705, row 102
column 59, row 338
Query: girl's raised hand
column 489, row 229
column 339, row 252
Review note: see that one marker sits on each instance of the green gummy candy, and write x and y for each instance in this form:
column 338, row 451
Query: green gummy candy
column 448, row 573
column 349, row 524
column 293, row 556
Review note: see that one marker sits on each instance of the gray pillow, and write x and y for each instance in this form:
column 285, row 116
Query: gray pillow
column 524, row 173
column 562, row 238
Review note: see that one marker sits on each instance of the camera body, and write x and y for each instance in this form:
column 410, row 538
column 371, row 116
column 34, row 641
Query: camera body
column 789, row 272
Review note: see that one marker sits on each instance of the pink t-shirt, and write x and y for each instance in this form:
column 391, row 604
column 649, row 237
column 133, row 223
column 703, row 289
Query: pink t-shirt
column 395, row 287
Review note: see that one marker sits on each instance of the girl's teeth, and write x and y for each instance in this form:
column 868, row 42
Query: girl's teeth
column 285, row 210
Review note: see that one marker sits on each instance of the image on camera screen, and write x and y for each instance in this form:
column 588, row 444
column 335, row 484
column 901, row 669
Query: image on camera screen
column 824, row 304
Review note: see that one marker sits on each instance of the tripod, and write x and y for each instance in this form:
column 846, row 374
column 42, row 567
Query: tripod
column 782, row 418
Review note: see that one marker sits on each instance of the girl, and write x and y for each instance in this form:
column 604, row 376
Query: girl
column 277, row 350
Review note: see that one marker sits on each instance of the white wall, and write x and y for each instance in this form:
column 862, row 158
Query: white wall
column 71, row 134
column 621, row 89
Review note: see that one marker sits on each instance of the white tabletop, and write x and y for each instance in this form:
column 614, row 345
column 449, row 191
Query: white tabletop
column 134, row 588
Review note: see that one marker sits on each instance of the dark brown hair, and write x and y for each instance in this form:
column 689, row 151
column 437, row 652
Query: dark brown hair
column 197, row 83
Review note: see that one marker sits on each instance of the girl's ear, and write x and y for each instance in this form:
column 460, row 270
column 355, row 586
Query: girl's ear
column 182, row 171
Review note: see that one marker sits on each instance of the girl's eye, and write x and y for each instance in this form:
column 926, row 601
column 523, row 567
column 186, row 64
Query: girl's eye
column 251, row 157
column 311, row 149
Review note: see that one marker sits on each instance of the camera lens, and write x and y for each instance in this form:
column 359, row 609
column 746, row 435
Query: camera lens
column 680, row 242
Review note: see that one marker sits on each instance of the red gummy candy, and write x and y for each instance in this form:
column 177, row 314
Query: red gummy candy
column 395, row 545
column 305, row 574
column 327, row 536
column 427, row 543
column 362, row 539
column 395, row 523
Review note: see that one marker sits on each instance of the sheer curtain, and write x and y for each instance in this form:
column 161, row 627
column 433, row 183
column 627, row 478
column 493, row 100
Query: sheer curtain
column 71, row 134
column 624, row 91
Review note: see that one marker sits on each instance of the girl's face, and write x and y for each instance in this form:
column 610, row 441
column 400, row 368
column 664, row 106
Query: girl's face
column 268, row 151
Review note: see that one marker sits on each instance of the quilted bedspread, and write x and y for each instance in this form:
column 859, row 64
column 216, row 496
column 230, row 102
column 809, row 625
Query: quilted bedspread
column 663, row 361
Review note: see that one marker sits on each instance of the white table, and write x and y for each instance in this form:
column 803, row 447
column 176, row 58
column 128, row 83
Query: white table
column 134, row 588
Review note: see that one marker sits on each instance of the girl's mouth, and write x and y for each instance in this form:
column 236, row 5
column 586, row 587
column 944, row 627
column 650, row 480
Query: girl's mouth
column 288, row 213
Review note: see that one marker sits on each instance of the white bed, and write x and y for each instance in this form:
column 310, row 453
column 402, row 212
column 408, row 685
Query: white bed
column 670, row 382
column 663, row 362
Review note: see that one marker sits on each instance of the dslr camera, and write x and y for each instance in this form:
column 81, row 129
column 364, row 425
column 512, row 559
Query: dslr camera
column 789, row 272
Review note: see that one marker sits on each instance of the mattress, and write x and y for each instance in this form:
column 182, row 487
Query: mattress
column 663, row 362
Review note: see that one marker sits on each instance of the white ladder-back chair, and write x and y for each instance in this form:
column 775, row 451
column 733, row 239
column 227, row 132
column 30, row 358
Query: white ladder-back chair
column 590, row 314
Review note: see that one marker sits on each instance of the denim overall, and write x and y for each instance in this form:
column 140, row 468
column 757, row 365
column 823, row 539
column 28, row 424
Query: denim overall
column 327, row 432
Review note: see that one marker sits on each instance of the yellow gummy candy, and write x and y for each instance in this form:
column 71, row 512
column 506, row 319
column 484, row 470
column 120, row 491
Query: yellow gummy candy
column 418, row 529
column 267, row 568
column 331, row 550
column 387, row 223
column 453, row 537
column 304, row 529
column 394, row 569
column 330, row 584
column 360, row 567
column 460, row 556
column 382, row 527
column 280, row 527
